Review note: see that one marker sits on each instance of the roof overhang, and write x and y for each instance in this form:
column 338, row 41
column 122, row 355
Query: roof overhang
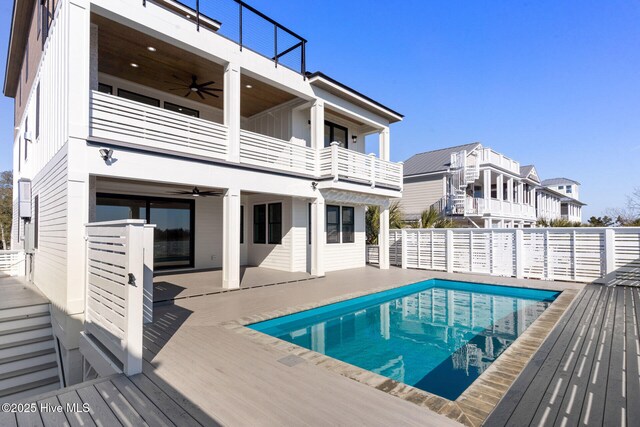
column 334, row 87
column 20, row 19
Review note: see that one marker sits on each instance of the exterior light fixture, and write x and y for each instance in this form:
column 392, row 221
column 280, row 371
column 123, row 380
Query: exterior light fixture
column 106, row 154
column 354, row 138
column 248, row 86
column 134, row 65
column 151, row 49
column 314, row 185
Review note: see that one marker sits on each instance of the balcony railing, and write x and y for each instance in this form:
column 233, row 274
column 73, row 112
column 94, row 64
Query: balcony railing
column 121, row 121
column 340, row 162
column 480, row 206
column 130, row 122
column 489, row 156
column 246, row 26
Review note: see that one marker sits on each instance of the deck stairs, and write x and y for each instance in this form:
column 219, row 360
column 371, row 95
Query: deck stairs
column 465, row 169
column 28, row 358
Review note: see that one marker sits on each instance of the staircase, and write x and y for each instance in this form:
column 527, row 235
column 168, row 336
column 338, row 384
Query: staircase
column 28, row 360
column 465, row 169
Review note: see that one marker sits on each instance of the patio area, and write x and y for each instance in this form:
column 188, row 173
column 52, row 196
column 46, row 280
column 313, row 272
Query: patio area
column 170, row 286
column 198, row 370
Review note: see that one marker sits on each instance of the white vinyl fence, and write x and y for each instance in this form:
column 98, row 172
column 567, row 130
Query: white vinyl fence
column 119, row 279
column 567, row 254
column 12, row 263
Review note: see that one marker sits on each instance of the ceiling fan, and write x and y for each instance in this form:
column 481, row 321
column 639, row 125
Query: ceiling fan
column 199, row 89
column 196, row 192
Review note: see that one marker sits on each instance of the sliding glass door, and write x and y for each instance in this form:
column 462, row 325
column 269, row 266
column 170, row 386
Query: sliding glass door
column 174, row 220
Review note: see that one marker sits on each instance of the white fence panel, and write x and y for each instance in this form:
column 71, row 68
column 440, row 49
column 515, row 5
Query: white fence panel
column 12, row 263
column 115, row 282
column 564, row 254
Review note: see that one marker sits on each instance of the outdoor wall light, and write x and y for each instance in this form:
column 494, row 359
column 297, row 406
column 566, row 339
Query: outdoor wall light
column 354, row 138
column 314, row 185
column 106, row 154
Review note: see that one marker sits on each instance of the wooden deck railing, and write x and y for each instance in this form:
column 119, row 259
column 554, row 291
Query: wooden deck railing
column 568, row 254
column 117, row 276
column 12, row 263
column 119, row 119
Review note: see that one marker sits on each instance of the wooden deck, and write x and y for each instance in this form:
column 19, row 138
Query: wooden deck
column 16, row 292
column 586, row 372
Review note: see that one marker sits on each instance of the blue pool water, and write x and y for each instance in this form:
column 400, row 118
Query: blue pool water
column 436, row 335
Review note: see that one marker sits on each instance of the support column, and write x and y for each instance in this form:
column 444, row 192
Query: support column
column 510, row 190
column 384, row 144
column 231, row 111
column 317, row 235
column 499, row 187
column 383, row 237
column 231, row 239
column 486, row 184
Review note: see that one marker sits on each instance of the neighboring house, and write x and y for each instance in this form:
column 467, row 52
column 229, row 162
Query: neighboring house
column 568, row 193
column 149, row 110
column 472, row 184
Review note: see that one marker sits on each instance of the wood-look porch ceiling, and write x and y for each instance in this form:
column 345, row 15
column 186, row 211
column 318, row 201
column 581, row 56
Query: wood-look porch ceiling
column 119, row 46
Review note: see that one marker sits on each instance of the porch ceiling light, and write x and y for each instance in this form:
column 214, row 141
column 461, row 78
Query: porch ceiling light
column 134, row 65
column 248, row 86
column 151, row 49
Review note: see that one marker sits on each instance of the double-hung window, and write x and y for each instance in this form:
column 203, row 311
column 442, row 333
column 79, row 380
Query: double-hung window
column 267, row 223
column 340, row 224
column 348, row 224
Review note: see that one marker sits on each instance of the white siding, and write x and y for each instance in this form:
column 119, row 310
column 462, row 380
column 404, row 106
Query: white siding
column 208, row 232
column 50, row 260
column 340, row 256
column 274, row 122
column 268, row 255
column 420, row 195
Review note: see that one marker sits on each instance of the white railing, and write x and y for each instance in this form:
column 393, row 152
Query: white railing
column 265, row 151
column 125, row 121
column 118, row 286
column 12, row 263
column 372, row 254
column 480, row 206
column 340, row 162
column 497, row 159
column 567, row 254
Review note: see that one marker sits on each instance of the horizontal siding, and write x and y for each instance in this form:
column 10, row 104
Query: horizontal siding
column 265, row 255
column 299, row 235
column 208, row 233
column 420, row 195
column 348, row 255
column 50, row 260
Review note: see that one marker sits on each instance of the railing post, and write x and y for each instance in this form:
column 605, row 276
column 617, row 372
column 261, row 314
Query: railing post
column 148, row 272
column 449, row 250
column 334, row 160
column 519, row 253
column 403, row 249
column 198, row 15
column 372, row 159
column 609, row 250
column 240, row 24
column 134, row 300
column 275, row 44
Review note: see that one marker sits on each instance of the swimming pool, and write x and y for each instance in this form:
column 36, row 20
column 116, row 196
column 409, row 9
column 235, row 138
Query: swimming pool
column 436, row 335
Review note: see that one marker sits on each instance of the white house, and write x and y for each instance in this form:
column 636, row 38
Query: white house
column 150, row 109
column 569, row 191
column 470, row 183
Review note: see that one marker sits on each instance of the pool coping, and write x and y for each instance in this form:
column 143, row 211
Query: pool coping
column 475, row 404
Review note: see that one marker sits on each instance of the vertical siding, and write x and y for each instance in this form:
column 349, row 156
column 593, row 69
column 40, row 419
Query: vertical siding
column 50, row 260
column 348, row 255
column 420, row 195
column 274, row 122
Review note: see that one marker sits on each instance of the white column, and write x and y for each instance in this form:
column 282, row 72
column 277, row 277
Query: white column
column 231, row 111
column 510, row 190
column 384, row 144
column 317, row 235
column 78, row 66
column 317, row 124
column 383, row 237
column 231, row 238
column 486, row 184
column 499, row 186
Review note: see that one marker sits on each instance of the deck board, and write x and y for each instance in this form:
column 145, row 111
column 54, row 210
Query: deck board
column 586, row 374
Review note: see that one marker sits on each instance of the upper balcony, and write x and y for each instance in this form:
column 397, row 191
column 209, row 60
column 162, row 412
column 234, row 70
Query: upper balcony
column 153, row 95
column 487, row 156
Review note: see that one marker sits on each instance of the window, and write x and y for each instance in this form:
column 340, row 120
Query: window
column 38, row 111
column 180, row 109
column 36, row 211
column 43, row 18
column 241, row 224
column 104, row 88
column 560, row 187
column 477, row 191
column 275, row 223
column 334, row 132
column 348, row 224
column 494, row 191
column 309, row 224
column 259, row 224
column 569, row 189
column 333, row 224
column 174, row 220
column 138, row 98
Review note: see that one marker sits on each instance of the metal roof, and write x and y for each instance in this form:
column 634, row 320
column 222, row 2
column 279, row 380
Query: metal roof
column 559, row 181
column 433, row 161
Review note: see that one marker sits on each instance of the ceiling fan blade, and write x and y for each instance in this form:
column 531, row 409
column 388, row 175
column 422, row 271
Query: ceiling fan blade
column 187, row 95
column 206, row 83
column 177, row 88
column 200, row 94
column 209, row 93
column 213, row 89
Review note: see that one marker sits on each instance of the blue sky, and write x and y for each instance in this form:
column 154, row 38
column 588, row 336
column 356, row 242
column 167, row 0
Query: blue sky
column 548, row 82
